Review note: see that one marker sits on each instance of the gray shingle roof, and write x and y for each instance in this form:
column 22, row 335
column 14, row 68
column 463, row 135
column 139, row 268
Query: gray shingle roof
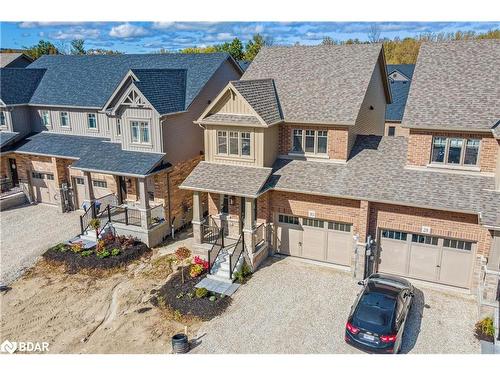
column 376, row 171
column 324, row 84
column 93, row 153
column 399, row 92
column 17, row 85
column 406, row 69
column 89, row 81
column 165, row 89
column 262, row 97
column 227, row 179
column 490, row 208
column 7, row 138
column 227, row 118
column 456, row 86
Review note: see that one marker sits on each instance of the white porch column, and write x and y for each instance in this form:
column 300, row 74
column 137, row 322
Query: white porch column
column 144, row 203
column 197, row 217
column 248, row 227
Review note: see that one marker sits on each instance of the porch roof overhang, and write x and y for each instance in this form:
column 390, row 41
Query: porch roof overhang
column 6, row 139
column 227, row 179
column 93, row 154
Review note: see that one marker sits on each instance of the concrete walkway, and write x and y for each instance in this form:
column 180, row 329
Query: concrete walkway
column 27, row 232
column 289, row 306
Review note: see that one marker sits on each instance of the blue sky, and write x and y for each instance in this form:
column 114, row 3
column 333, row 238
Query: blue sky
column 143, row 37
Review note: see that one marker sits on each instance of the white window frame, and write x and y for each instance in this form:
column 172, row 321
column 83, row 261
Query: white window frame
column 304, row 135
column 68, row 124
column 3, row 118
column 462, row 152
column 141, row 125
column 229, row 135
column 88, row 121
column 100, row 184
column 45, row 117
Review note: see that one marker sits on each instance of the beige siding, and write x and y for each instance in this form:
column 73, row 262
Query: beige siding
column 128, row 114
column 256, row 146
column 78, row 123
column 371, row 121
column 497, row 173
column 182, row 139
column 399, row 130
column 232, row 103
column 271, row 145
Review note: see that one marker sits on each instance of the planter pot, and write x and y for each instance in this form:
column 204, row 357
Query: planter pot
column 180, row 343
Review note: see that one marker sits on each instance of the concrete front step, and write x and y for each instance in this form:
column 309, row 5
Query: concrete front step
column 218, row 277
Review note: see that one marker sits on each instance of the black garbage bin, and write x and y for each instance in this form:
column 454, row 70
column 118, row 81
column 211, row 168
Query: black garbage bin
column 180, row 343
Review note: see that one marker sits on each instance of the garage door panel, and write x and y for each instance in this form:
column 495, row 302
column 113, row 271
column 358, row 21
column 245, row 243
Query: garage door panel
column 455, row 267
column 339, row 248
column 289, row 239
column 393, row 257
column 423, row 262
column 314, row 244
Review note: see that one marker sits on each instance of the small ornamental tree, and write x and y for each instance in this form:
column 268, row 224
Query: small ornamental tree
column 182, row 254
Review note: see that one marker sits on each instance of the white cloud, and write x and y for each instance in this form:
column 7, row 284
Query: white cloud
column 162, row 25
column 127, row 30
column 224, row 36
column 30, row 25
column 75, row 33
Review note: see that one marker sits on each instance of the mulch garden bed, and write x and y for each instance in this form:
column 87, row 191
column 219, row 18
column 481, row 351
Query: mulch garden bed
column 181, row 298
column 76, row 259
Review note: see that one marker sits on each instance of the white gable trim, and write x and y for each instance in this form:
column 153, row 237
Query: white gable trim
column 125, row 96
column 129, row 74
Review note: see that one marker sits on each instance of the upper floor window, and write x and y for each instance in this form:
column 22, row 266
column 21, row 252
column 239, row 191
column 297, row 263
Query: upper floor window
column 45, row 118
column 2, row 119
column 64, row 118
column 233, row 143
column 118, row 127
column 140, row 132
column 310, row 141
column 91, row 121
column 455, row 151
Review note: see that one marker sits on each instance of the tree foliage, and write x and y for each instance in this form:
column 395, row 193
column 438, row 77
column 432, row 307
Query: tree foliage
column 100, row 51
column 78, row 47
column 234, row 48
column 43, row 47
column 254, row 45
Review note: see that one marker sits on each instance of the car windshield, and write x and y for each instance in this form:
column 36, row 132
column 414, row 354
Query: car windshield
column 375, row 312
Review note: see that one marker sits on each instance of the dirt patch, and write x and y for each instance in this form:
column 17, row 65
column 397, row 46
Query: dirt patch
column 91, row 311
column 181, row 300
column 76, row 261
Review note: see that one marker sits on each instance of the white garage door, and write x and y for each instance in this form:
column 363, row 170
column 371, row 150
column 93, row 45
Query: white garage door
column 44, row 187
column 315, row 239
column 429, row 258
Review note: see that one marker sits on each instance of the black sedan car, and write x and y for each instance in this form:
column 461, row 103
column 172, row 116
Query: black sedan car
column 378, row 316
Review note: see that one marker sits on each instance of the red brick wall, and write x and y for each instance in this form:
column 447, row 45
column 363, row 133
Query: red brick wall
column 337, row 139
column 420, row 146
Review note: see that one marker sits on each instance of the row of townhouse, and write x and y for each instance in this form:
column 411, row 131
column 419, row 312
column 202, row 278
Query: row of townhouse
column 322, row 152
column 113, row 129
column 299, row 160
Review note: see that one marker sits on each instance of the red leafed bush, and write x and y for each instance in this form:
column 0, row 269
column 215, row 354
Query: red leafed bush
column 201, row 262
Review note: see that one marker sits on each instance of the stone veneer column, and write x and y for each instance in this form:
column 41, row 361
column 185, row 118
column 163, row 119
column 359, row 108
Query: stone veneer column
column 197, row 217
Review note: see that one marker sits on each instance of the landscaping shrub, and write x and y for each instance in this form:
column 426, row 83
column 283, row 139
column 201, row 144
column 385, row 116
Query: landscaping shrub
column 77, row 247
column 103, row 254
column 201, row 292
column 115, row 252
column 485, row 330
column 203, row 263
column 86, row 253
column 195, row 270
column 243, row 275
column 182, row 254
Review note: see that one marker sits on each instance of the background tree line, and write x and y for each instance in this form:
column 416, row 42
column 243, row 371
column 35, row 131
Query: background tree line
column 397, row 51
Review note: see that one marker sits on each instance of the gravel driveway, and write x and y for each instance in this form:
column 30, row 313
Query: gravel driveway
column 27, row 231
column 290, row 306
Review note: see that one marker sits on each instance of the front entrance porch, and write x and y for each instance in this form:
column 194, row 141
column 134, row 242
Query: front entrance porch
column 230, row 234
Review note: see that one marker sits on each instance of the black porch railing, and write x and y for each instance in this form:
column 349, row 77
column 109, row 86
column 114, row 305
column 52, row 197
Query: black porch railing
column 214, row 252
column 239, row 248
column 209, row 233
column 126, row 215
